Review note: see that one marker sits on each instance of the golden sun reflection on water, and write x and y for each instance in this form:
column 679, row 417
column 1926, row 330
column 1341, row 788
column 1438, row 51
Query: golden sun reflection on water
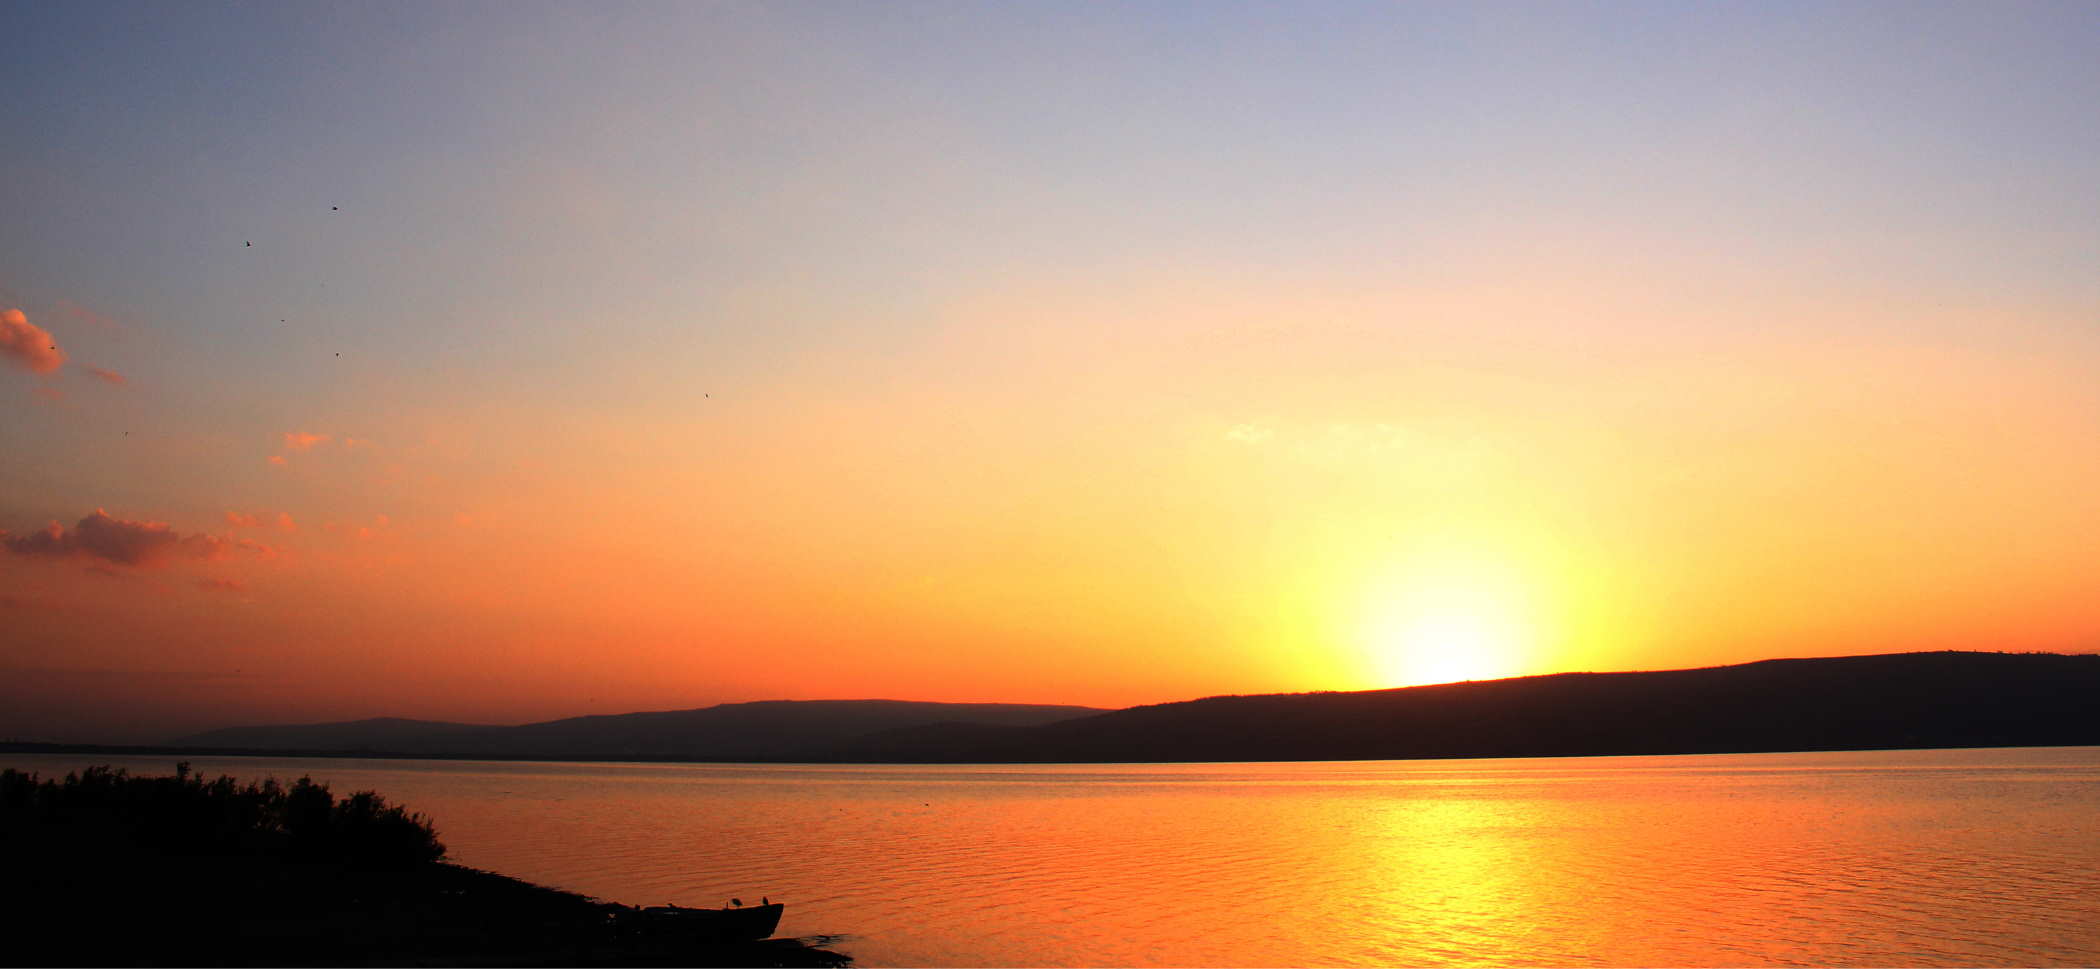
column 1847, row 859
column 1453, row 880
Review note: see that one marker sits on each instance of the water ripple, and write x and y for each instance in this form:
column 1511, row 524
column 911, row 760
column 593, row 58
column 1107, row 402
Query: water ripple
column 1904, row 857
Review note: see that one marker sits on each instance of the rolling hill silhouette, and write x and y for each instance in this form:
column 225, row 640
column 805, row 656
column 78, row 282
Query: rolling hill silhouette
column 378, row 733
column 1949, row 699
column 764, row 730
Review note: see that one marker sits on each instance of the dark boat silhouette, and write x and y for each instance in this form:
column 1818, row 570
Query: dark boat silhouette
column 714, row 925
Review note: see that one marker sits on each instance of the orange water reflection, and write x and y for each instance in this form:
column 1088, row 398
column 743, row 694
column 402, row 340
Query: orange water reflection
column 1904, row 857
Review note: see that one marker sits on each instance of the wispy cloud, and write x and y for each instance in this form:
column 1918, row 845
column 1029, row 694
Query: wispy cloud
column 109, row 376
column 27, row 344
column 282, row 520
column 379, row 524
column 76, row 313
column 303, row 440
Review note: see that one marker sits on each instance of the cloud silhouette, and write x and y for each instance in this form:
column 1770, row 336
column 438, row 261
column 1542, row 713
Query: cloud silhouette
column 102, row 538
column 28, row 344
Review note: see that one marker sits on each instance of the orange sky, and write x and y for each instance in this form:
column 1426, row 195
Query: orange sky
column 538, row 397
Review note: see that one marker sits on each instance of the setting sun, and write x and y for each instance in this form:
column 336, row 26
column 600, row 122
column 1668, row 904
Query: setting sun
column 1468, row 622
column 1447, row 647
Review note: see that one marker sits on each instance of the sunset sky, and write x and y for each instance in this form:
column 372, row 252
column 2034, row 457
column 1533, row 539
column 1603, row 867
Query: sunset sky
column 509, row 362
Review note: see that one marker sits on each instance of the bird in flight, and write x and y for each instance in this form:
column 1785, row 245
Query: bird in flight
column 251, row 245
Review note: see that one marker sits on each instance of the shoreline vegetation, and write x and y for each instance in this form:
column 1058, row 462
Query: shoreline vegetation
column 115, row 869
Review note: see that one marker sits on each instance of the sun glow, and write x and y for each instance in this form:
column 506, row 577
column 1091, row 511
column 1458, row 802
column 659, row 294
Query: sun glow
column 1462, row 624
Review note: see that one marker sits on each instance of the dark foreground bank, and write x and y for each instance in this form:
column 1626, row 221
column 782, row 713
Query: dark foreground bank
column 109, row 869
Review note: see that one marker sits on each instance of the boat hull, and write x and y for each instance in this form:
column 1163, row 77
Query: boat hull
column 714, row 925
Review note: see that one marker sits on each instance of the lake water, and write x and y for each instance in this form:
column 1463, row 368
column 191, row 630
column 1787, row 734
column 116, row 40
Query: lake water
column 1963, row 857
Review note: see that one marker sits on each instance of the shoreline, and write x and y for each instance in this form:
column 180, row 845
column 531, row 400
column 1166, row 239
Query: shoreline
column 156, row 750
column 115, row 869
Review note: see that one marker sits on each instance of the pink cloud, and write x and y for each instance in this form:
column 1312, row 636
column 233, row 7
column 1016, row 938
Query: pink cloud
column 284, row 522
column 206, row 546
column 238, row 520
column 303, row 440
column 77, row 313
column 28, row 344
column 277, row 459
column 101, row 538
column 108, row 375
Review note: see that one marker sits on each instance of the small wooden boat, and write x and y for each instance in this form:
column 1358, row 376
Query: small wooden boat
column 747, row 924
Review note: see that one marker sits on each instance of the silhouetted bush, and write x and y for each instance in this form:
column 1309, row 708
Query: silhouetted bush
column 106, row 869
column 187, row 815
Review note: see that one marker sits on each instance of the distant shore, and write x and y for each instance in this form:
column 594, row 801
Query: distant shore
column 1898, row 701
column 155, row 750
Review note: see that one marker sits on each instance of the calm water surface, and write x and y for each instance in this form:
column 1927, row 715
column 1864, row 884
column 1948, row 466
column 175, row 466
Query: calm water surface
column 1970, row 857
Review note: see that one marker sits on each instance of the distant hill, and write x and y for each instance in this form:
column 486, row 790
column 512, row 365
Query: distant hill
column 1946, row 699
column 1949, row 699
column 377, row 733
column 765, row 730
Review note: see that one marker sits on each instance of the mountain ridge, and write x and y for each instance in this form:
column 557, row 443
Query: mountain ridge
column 724, row 731
column 1942, row 699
